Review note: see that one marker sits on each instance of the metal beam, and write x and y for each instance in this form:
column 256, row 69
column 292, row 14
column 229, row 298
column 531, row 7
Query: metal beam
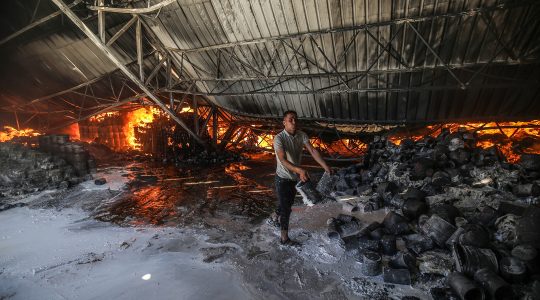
column 355, row 90
column 470, row 12
column 101, row 22
column 84, row 84
column 121, row 31
column 36, row 23
column 73, row 17
column 356, row 73
column 143, row 10
column 138, row 42
column 103, row 110
column 462, row 85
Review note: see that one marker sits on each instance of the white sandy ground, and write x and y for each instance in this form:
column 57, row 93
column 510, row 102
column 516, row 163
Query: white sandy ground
column 51, row 255
column 62, row 253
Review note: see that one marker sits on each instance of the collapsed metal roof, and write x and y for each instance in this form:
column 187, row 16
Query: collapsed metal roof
column 339, row 61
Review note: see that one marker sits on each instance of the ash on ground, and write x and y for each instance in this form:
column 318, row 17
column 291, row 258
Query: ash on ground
column 393, row 227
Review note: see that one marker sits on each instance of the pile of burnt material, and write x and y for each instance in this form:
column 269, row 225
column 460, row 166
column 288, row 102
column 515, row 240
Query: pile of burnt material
column 25, row 170
column 457, row 214
column 74, row 154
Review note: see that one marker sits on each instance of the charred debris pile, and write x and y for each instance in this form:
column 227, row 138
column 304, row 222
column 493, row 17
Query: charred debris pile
column 457, row 214
column 33, row 164
column 56, row 162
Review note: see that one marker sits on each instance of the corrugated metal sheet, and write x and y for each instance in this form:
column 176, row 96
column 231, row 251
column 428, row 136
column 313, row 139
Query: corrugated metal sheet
column 345, row 61
column 45, row 61
column 410, row 83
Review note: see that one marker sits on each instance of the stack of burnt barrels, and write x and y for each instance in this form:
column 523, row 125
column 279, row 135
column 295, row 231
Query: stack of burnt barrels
column 73, row 153
column 491, row 249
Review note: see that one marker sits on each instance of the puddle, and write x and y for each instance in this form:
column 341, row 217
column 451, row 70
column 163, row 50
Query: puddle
column 168, row 196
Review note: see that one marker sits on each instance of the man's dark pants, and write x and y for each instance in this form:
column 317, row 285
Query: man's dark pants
column 285, row 190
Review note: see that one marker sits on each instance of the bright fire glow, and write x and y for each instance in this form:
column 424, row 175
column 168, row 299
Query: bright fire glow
column 73, row 131
column 103, row 116
column 140, row 118
column 9, row 133
column 186, row 109
column 265, row 141
column 502, row 135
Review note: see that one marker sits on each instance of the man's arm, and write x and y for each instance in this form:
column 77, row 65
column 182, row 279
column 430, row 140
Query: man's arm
column 302, row 173
column 317, row 156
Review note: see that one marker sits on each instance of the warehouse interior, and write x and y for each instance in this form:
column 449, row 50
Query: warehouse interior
column 137, row 148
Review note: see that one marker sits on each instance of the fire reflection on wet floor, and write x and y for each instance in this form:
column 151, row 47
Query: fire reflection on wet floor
column 166, row 196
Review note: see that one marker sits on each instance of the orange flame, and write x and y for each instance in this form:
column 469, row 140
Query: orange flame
column 186, row 109
column 73, row 131
column 266, row 141
column 138, row 120
column 101, row 117
column 502, row 135
column 9, row 133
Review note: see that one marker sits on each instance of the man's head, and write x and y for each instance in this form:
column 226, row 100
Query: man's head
column 289, row 121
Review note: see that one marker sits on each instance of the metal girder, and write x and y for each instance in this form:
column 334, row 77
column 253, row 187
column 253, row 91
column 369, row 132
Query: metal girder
column 143, row 10
column 71, row 89
column 36, row 23
column 101, row 22
column 470, row 12
column 121, row 31
column 462, row 85
column 354, row 90
column 105, row 49
column 103, row 110
column 356, row 73
column 227, row 136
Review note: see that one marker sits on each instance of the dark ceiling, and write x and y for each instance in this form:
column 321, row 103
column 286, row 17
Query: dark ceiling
column 342, row 61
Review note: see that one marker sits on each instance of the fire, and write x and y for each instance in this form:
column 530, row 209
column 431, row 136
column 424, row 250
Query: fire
column 186, row 109
column 503, row 135
column 73, row 131
column 136, row 120
column 9, row 133
column 101, row 117
column 265, row 141
column 342, row 147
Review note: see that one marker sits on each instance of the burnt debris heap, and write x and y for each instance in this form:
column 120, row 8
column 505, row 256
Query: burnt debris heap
column 457, row 213
column 57, row 163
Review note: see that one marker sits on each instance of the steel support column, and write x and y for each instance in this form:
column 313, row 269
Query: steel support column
column 79, row 23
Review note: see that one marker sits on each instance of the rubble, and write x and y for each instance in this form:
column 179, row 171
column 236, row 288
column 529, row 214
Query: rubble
column 27, row 170
column 455, row 210
column 73, row 153
column 397, row 276
column 100, row 181
column 435, row 262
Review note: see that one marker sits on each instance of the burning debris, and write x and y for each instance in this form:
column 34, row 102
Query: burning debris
column 10, row 133
column 457, row 208
column 149, row 131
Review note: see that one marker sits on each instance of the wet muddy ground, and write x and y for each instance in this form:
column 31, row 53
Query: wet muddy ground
column 219, row 215
column 169, row 196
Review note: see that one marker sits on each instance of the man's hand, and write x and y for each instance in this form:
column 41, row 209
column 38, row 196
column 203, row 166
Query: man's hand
column 318, row 158
column 329, row 170
column 304, row 176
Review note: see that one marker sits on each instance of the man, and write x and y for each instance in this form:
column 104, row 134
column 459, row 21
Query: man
column 288, row 146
